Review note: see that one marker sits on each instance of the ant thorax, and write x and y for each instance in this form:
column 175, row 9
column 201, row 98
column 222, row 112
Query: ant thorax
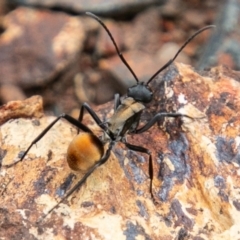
column 125, row 118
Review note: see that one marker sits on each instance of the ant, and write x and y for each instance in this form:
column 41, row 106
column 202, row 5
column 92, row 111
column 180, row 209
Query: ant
column 86, row 151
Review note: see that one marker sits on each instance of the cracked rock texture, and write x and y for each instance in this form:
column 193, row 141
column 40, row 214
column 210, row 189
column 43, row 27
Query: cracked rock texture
column 196, row 170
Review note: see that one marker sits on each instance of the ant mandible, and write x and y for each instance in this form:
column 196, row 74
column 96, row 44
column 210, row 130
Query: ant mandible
column 86, row 151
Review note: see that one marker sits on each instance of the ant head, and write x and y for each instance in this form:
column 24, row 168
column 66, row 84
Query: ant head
column 140, row 92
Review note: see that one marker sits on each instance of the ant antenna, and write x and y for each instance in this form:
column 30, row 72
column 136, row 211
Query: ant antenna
column 180, row 49
column 165, row 65
column 114, row 43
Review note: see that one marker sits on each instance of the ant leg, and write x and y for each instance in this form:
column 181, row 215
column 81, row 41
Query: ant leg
column 150, row 167
column 156, row 118
column 79, row 184
column 95, row 117
column 117, row 101
column 70, row 119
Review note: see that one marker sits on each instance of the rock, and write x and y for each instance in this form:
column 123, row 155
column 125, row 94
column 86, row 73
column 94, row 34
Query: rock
column 31, row 107
column 97, row 87
column 10, row 92
column 114, row 7
column 196, row 170
column 195, row 18
column 144, row 65
column 172, row 9
column 144, row 32
column 168, row 50
column 224, row 42
column 3, row 10
column 34, row 53
column 104, row 45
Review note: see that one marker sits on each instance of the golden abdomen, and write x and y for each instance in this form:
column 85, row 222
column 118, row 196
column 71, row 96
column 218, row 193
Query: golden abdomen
column 84, row 151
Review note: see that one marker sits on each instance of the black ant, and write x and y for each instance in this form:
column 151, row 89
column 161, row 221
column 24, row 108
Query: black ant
column 86, row 151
